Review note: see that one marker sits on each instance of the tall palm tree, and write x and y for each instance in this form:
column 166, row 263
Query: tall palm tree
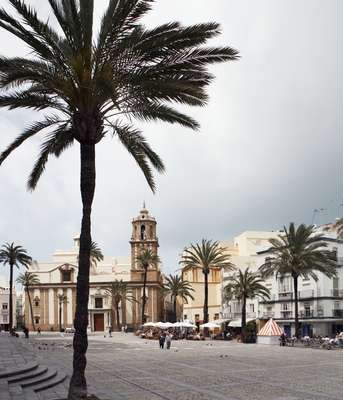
column 177, row 287
column 146, row 259
column 27, row 280
column 13, row 256
column 208, row 256
column 119, row 293
column 242, row 286
column 338, row 225
column 299, row 252
column 98, row 86
column 62, row 299
column 95, row 255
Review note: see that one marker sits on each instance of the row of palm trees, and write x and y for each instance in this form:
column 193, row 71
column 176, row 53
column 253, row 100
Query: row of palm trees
column 92, row 85
column 298, row 252
column 16, row 256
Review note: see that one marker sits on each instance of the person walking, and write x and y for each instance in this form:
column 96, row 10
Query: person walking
column 168, row 340
column 161, row 341
column 39, row 331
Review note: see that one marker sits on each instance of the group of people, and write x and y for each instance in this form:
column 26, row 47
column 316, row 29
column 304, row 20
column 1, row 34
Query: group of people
column 165, row 339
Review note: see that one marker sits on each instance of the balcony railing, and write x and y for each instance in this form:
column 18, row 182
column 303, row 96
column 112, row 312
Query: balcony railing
column 268, row 314
column 337, row 313
column 236, row 315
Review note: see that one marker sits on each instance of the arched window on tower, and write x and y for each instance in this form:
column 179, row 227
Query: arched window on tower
column 151, row 232
column 143, row 234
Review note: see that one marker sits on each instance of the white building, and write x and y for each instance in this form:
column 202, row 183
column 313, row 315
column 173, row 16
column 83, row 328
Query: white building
column 320, row 302
column 4, row 305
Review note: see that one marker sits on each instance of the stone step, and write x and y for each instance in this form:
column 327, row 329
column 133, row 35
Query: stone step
column 20, row 370
column 59, row 378
column 30, row 394
column 50, row 374
column 28, row 375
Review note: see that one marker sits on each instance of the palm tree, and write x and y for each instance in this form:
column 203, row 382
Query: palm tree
column 299, row 252
column 245, row 285
column 95, row 255
column 146, row 259
column 177, row 287
column 119, row 293
column 98, row 86
column 62, row 299
column 13, row 256
column 208, row 255
column 338, row 225
column 27, row 280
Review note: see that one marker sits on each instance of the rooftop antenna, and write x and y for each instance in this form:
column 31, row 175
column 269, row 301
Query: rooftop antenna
column 315, row 212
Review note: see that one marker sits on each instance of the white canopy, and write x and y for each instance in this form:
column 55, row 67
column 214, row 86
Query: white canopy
column 149, row 324
column 164, row 325
column 184, row 325
column 210, row 325
column 237, row 323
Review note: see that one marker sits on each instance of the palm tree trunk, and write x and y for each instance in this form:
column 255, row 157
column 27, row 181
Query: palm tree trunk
column 10, row 326
column 144, row 296
column 31, row 310
column 244, row 318
column 118, row 319
column 78, row 384
column 174, row 309
column 60, row 315
column 206, row 299
column 206, row 303
column 296, row 312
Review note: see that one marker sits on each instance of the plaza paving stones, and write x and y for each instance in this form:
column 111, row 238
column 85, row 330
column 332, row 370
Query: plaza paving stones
column 125, row 367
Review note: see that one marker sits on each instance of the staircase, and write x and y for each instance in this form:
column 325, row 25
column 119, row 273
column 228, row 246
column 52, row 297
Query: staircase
column 29, row 382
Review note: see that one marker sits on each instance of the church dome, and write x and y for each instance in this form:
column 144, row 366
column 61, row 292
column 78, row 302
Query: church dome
column 144, row 215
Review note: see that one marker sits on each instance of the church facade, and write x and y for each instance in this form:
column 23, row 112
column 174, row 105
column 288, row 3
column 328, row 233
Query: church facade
column 54, row 298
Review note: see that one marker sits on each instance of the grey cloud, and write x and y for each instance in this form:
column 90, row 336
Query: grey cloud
column 268, row 153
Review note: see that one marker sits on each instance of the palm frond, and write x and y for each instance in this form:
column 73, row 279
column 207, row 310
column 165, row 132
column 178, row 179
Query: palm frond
column 56, row 142
column 30, row 131
column 140, row 150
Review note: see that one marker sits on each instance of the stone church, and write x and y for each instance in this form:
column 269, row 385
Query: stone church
column 59, row 276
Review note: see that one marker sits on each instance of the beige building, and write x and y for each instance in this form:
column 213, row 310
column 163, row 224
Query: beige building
column 59, row 276
column 242, row 250
column 193, row 309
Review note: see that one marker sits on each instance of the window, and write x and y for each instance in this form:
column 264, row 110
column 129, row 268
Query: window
column 252, row 307
column 98, row 302
column 4, row 306
column 196, row 316
column 185, row 316
column 36, row 303
column 36, row 320
column 216, row 316
column 66, row 276
column 4, row 318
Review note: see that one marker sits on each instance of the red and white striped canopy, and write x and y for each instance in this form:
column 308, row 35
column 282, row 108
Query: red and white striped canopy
column 271, row 328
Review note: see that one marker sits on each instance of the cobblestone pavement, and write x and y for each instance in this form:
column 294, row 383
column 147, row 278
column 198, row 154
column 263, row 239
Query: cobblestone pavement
column 126, row 367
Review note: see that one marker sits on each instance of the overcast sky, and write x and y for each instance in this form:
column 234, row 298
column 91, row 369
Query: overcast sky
column 268, row 153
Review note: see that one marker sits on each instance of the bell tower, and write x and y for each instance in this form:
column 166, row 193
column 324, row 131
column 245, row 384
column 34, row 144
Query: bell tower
column 143, row 236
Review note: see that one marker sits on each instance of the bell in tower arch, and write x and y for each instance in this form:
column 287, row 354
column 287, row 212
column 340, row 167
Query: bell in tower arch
column 143, row 233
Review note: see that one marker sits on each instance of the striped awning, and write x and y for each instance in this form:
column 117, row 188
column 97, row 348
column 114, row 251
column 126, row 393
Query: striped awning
column 271, row 328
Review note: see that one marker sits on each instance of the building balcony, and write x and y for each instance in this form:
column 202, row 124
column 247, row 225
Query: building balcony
column 337, row 313
column 268, row 314
column 237, row 315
